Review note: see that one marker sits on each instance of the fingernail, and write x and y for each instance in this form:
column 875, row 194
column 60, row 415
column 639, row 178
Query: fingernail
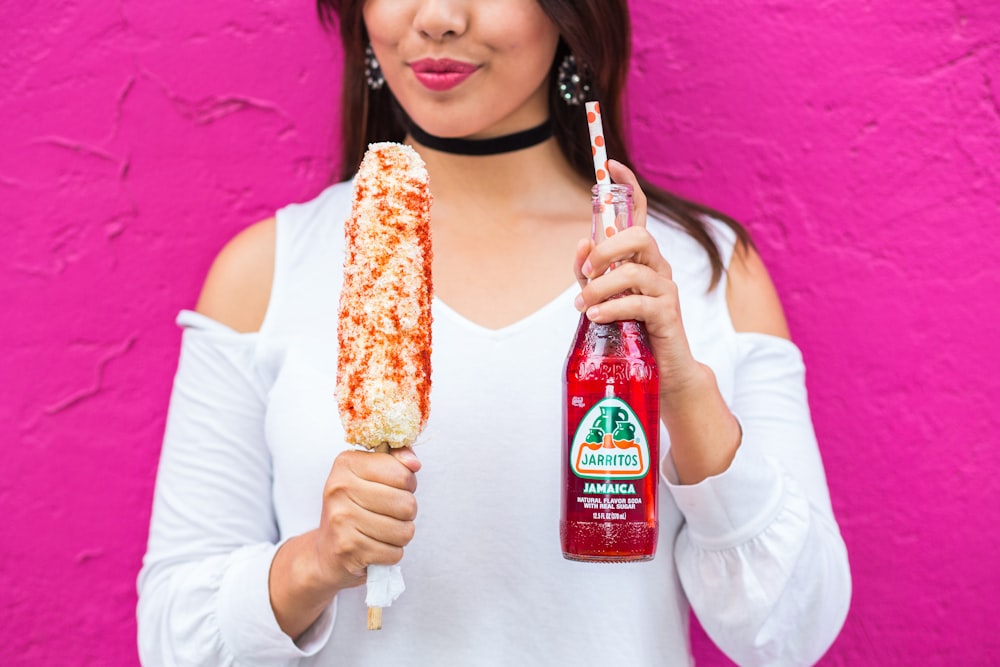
column 593, row 312
column 578, row 302
column 587, row 268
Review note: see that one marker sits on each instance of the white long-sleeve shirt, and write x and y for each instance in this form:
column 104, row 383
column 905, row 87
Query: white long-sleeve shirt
column 253, row 430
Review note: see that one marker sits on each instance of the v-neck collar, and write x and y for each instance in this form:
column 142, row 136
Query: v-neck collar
column 444, row 310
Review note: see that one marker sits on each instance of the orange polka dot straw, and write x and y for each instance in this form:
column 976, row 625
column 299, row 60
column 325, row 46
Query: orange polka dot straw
column 600, row 152
column 597, row 142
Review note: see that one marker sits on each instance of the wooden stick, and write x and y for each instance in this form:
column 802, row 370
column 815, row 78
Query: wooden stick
column 374, row 618
column 375, row 613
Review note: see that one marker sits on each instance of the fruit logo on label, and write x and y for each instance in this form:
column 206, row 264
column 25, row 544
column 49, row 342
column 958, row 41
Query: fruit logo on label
column 610, row 443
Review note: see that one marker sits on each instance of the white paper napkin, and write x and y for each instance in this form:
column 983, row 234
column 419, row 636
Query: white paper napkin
column 385, row 584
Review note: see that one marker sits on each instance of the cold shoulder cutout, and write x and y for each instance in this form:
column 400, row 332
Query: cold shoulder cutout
column 237, row 289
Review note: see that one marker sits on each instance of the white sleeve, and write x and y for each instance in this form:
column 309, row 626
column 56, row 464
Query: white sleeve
column 760, row 555
column 203, row 588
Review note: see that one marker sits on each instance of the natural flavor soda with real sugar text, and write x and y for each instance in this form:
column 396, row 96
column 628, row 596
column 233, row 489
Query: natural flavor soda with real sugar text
column 610, row 460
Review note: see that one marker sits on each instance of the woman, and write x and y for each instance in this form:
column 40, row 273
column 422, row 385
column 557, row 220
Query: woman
column 265, row 520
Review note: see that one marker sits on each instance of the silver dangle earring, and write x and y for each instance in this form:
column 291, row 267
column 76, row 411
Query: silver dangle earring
column 373, row 73
column 573, row 89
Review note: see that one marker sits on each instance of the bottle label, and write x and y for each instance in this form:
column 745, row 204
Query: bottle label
column 610, row 445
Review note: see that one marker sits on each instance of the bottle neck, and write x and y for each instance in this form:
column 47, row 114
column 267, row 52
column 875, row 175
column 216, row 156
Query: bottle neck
column 612, row 214
column 612, row 205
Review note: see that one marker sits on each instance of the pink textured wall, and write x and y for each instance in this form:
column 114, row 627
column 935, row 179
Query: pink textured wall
column 860, row 141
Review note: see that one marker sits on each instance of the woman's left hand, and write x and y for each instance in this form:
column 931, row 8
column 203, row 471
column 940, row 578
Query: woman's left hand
column 645, row 278
column 704, row 435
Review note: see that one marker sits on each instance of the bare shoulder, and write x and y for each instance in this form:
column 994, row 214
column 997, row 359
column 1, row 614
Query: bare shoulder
column 238, row 287
column 754, row 305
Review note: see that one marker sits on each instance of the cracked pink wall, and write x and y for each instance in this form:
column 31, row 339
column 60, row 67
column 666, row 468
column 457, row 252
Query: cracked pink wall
column 859, row 140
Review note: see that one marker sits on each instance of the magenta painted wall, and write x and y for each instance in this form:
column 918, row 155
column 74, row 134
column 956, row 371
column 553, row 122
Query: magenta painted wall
column 859, row 140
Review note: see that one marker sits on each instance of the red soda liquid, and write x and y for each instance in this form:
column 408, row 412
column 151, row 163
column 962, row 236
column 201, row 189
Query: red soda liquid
column 611, row 445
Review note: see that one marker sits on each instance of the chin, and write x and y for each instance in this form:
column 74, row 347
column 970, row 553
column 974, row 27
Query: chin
column 450, row 118
column 441, row 127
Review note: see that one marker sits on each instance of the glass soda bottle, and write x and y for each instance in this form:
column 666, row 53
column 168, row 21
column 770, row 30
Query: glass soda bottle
column 611, row 426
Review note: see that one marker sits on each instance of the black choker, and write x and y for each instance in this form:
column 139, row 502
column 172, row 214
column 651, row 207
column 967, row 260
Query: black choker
column 492, row 146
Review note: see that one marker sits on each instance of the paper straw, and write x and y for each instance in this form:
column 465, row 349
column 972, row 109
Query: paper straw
column 597, row 142
column 600, row 152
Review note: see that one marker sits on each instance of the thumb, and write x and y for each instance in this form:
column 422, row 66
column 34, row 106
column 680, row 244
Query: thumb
column 622, row 174
column 406, row 456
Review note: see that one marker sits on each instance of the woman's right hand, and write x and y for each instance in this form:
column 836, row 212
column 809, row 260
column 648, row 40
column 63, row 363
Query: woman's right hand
column 367, row 519
column 368, row 512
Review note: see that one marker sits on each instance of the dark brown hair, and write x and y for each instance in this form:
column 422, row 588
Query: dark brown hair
column 370, row 116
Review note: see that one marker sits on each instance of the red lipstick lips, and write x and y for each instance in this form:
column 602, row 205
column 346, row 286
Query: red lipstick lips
column 443, row 74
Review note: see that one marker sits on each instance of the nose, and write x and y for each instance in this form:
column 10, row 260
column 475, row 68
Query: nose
column 441, row 19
